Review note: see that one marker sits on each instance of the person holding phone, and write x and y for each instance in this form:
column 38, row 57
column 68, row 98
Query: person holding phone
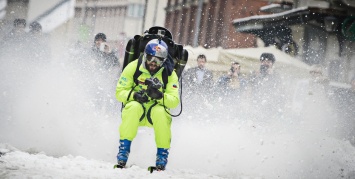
column 267, row 89
column 103, row 53
column 233, row 79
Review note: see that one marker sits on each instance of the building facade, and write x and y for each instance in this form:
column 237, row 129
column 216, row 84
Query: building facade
column 50, row 14
column 212, row 27
column 77, row 21
column 316, row 31
column 117, row 18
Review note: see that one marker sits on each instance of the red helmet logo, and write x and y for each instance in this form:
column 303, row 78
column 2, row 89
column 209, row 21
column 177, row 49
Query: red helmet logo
column 157, row 48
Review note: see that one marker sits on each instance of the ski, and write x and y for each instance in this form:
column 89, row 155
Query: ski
column 123, row 167
column 151, row 169
column 120, row 166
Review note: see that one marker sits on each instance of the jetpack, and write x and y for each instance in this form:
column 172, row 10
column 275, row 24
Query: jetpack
column 135, row 48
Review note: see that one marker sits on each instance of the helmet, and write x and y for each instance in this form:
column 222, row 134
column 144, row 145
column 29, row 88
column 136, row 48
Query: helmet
column 100, row 36
column 157, row 48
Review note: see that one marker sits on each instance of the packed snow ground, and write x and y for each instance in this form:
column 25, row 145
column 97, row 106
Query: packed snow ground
column 17, row 164
column 243, row 153
column 60, row 120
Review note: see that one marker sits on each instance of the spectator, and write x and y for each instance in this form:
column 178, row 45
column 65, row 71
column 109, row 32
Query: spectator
column 36, row 29
column 104, row 68
column 311, row 103
column 267, row 90
column 38, row 48
column 344, row 101
column 103, row 53
column 18, row 32
column 199, row 79
column 232, row 84
column 233, row 81
column 227, row 93
column 199, row 84
column 14, row 43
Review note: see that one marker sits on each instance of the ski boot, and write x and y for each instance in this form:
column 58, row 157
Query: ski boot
column 122, row 156
column 162, row 159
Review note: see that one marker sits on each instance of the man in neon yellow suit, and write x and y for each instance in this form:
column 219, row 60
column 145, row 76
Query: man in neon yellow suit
column 147, row 101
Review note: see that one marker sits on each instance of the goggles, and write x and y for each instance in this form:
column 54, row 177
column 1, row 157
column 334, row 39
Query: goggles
column 157, row 60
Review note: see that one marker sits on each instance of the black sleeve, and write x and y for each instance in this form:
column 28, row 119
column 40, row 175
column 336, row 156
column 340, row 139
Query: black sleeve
column 114, row 59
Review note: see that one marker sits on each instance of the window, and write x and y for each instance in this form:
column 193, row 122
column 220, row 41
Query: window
column 135, row 10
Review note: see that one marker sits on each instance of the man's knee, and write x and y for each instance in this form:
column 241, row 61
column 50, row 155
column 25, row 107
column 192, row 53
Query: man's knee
column 159, row 115
column 133, row 110
column 160, row 110
column 133, row 106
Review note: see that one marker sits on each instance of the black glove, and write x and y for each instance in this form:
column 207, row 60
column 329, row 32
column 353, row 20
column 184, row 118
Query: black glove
column 154, row 93
column 140, row 96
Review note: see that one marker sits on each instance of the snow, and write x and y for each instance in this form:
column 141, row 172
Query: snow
column 54, row 125
column 246, row 151
column 17, row 164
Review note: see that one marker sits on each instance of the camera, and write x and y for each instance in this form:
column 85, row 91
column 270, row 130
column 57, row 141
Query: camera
column 153, row 83
column 232, row 70
column 161, row 33
column 153, row 88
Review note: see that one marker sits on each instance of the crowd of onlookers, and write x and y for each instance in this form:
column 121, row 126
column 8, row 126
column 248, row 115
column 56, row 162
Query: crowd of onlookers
column 26, row 49
column 32, row 46
column 265, row 85
column 266, row 95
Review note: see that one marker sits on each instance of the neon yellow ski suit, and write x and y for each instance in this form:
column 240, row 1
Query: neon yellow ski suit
column 154, row 113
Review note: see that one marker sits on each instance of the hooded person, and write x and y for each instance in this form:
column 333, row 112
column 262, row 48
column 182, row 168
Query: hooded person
column 146, row 101
column 103, row 53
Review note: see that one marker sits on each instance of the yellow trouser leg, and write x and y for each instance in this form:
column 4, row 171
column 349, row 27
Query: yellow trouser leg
column 162, row 126
column 131, row 114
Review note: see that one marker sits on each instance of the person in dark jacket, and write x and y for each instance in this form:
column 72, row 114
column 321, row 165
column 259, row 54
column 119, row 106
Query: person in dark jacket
column 14, row 45
column 103, row 53
column 18, row 33
column 344, row 103
column 199, row 78
column 233, row 80
column 38, row 46
column 268, row 91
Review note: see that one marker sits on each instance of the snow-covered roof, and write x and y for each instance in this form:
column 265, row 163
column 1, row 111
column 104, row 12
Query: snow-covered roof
column 276, row 8
column 270, row 16
column 270, row 6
